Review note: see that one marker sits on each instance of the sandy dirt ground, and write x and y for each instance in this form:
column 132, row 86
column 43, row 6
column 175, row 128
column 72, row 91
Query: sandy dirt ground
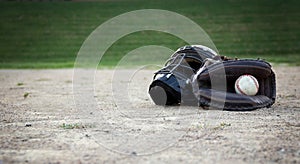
column 40, row 123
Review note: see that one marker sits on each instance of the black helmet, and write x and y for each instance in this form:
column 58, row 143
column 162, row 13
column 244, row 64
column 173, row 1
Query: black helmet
column 169, row 86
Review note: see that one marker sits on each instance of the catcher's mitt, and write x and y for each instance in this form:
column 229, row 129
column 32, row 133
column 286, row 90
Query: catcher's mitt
column 169, row 85
column 196, row 75
column 213, row 85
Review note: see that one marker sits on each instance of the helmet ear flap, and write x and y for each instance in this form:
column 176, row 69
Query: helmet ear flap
column 162, row 91
column 158, row 95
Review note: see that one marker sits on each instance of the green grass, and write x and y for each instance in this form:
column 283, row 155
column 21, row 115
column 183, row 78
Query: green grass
column 20, row 84
column 49, row 34
column 26, row 94
column 76, row 126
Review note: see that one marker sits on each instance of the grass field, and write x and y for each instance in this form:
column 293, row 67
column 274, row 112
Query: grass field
column 49, row 34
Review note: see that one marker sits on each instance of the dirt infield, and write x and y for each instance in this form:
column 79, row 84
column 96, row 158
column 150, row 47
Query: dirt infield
column 41, row 124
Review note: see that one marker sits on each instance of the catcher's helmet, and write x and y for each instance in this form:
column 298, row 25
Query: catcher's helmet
column 169, row 86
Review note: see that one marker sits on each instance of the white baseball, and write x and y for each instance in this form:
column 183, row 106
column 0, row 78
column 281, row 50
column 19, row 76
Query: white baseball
column 246, row 85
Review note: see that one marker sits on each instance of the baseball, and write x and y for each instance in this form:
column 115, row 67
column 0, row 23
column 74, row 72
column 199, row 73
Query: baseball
column 246, row 85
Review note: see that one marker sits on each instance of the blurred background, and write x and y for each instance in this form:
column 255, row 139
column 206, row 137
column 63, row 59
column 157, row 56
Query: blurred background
column 49, row 33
